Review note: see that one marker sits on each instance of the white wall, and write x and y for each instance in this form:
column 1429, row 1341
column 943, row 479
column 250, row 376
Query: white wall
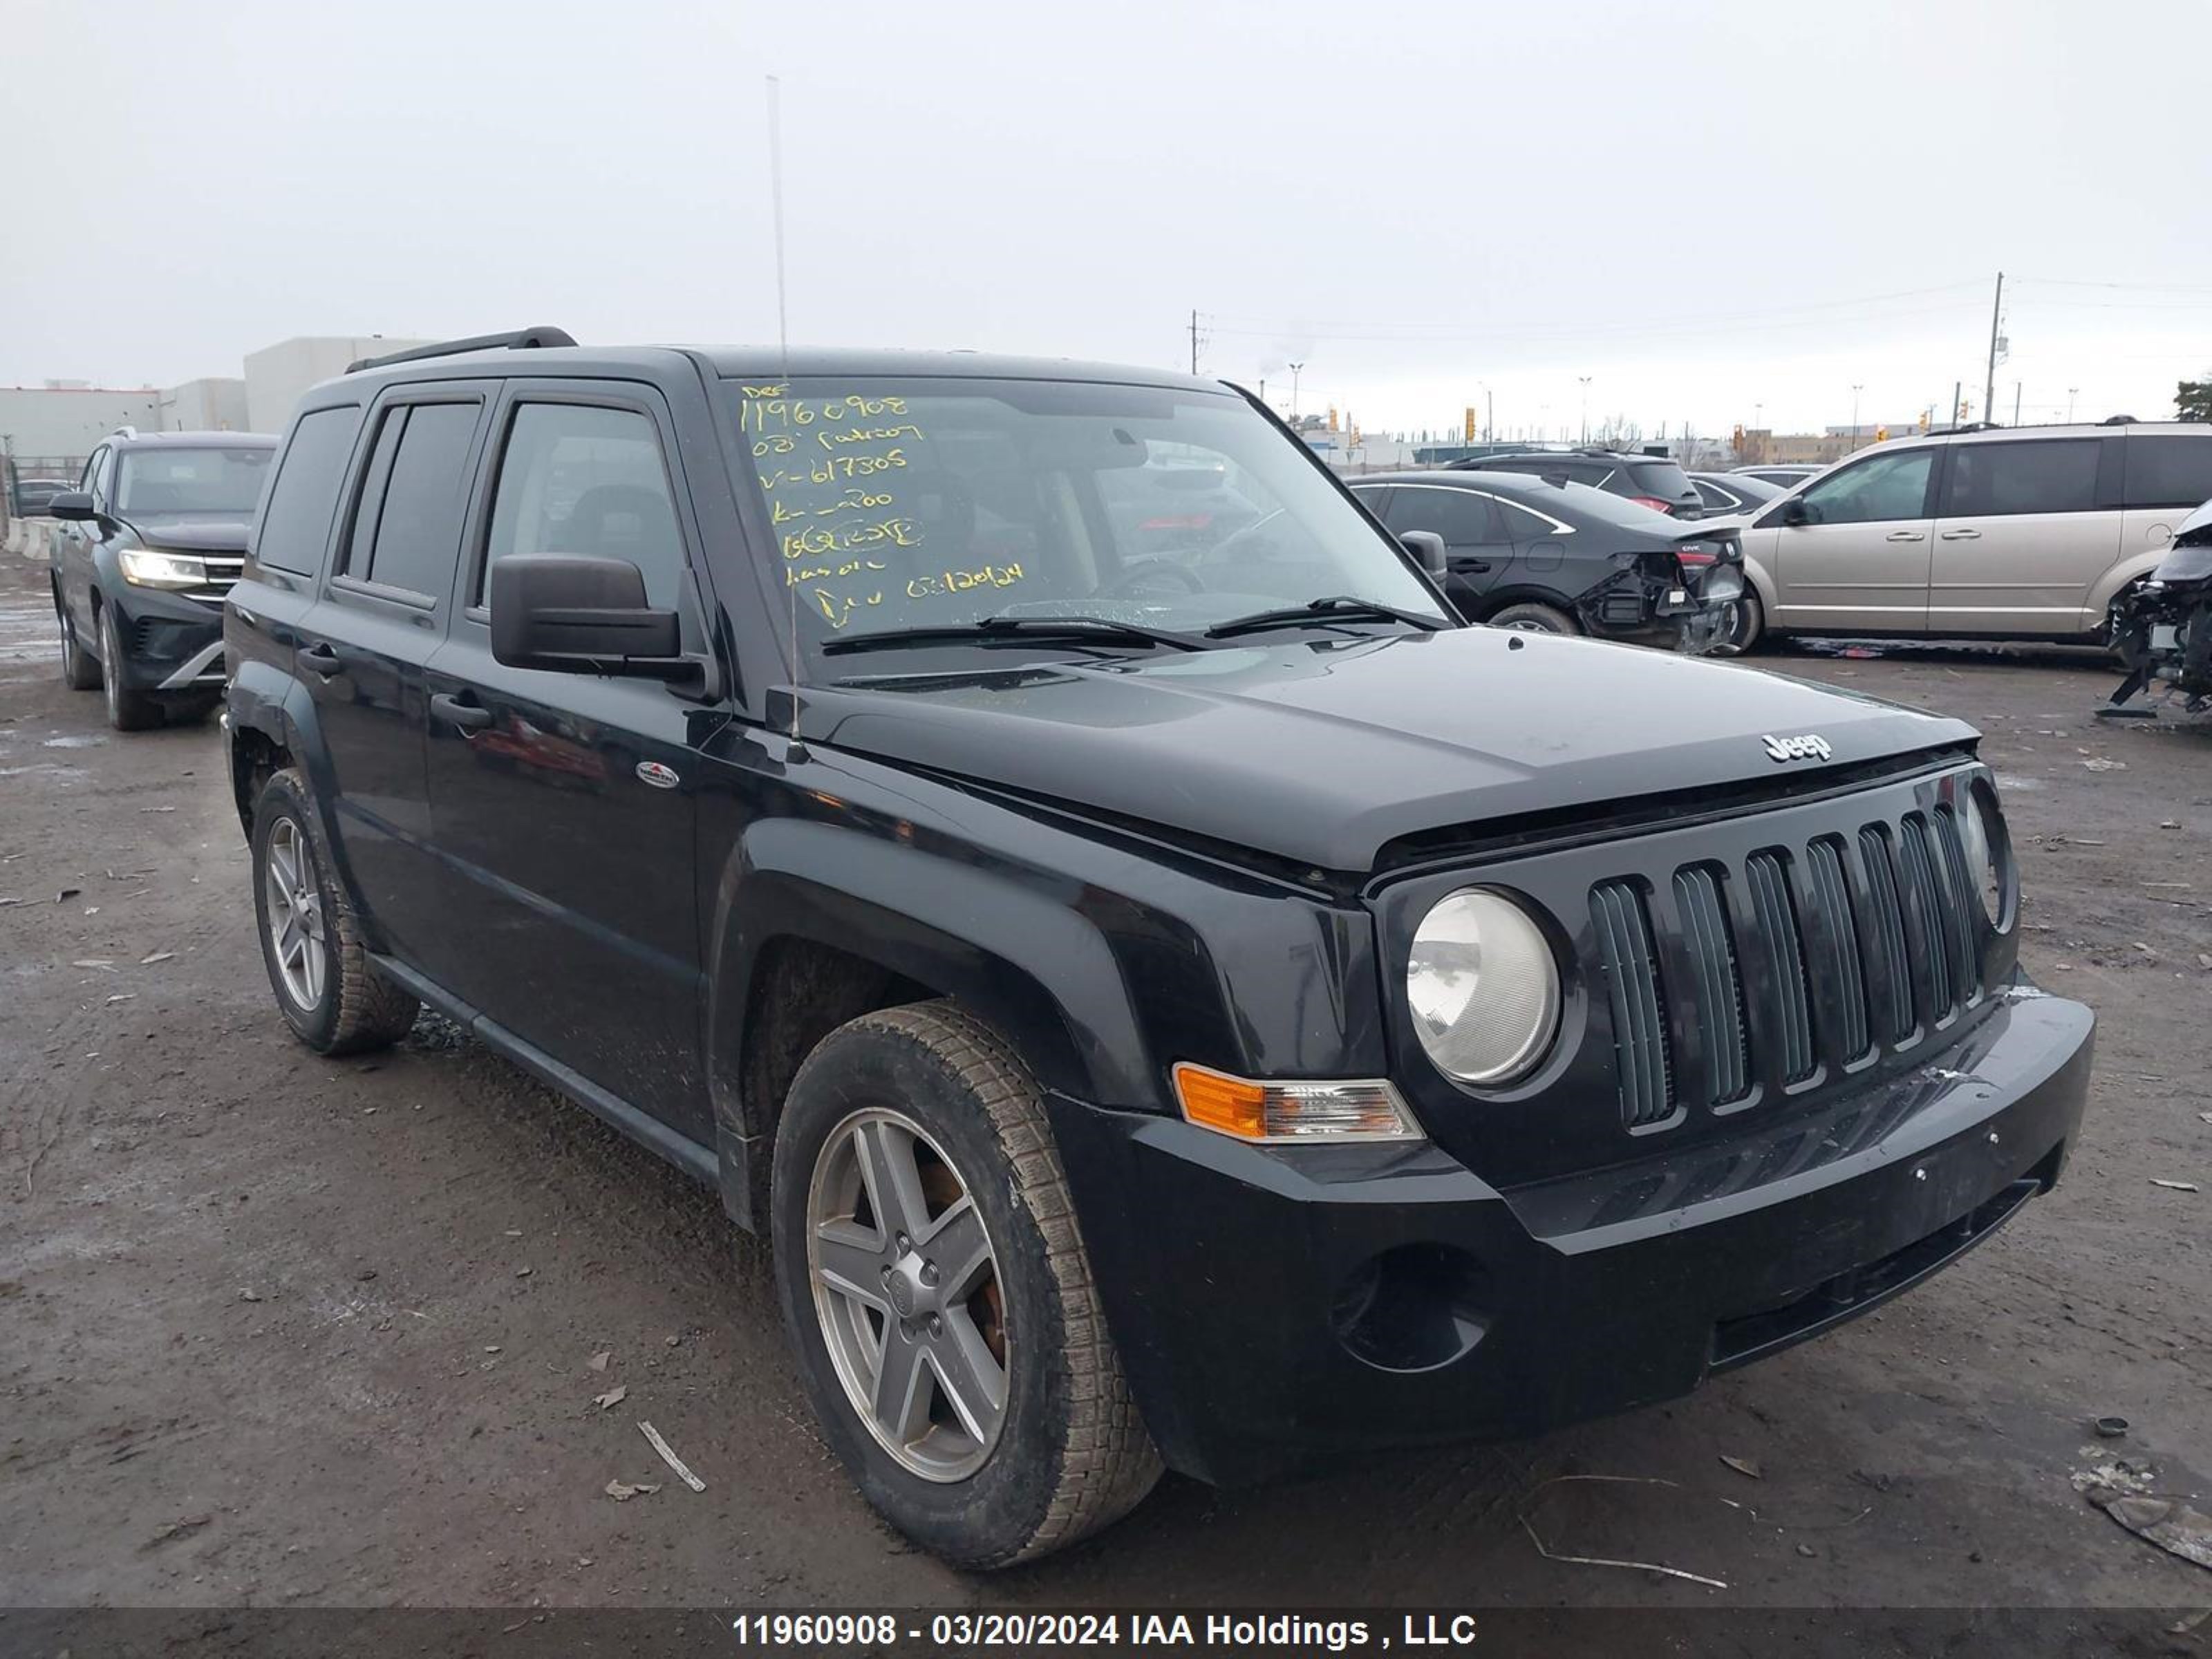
column 39, row 422
column 213, row 404
column 276, row 376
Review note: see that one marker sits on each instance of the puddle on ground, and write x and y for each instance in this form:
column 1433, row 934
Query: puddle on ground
column 75, row 740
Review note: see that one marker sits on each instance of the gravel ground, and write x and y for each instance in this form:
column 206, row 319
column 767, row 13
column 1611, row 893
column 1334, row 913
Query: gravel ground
column 279, row 1332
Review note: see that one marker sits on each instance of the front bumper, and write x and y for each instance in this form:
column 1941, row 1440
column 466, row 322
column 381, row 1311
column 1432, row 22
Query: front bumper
column 170, row 642
column 1263, row 1339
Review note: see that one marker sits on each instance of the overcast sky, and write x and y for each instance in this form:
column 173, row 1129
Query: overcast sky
column 1717, row 213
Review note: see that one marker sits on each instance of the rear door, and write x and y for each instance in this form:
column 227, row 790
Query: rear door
column 566, row 805
column 1861, row 558
column 362, row 648
column 2026, row 526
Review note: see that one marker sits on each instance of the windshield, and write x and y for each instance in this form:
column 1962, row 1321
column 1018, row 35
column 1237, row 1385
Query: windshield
column 934, row 503
column 155, row 482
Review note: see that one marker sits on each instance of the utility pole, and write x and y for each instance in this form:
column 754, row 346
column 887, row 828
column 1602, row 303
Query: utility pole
column 1990, row 386
column 2015, row 402
column 1956, row 387
column 1585, row 379
column 1490, row 417
column 1295, row 368
column 1194, row 339
column 1854, row 443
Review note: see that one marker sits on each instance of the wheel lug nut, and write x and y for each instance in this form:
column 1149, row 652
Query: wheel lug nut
column 929, row 1273
column 904, row 1243
column 936, row 1325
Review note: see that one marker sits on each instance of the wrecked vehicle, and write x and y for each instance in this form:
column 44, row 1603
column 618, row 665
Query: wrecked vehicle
column 2161, row 628
column 1547, row 555
column 1199, row 1005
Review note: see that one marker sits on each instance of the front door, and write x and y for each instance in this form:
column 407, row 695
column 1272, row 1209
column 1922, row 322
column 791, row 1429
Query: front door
column 1861, row 558
column 362, row 649
column 2021, row 534
column 1476, row 546
column 565, row 804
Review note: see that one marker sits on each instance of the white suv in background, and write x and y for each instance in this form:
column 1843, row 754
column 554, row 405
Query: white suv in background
column 2022, row 533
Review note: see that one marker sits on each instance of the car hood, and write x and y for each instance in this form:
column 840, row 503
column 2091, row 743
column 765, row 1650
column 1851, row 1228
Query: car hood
column 193, row 535
column 1321, row 752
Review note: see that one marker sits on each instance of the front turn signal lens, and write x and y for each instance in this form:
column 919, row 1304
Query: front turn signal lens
column 1248, row 1110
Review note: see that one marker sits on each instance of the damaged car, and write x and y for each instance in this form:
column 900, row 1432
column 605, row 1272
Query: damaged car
column 1548, row 555
column 2161, row 627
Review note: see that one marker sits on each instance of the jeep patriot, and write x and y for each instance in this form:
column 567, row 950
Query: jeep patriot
column 1176, row 999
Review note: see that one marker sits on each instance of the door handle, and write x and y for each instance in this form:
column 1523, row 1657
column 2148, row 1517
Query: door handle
column 1905, row 536
column 469, row 715
column 321, row 658
column 1470, row 567
column 1962, row 535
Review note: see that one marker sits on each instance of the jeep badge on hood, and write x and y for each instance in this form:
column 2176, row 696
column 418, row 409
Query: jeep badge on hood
column 1811, row 746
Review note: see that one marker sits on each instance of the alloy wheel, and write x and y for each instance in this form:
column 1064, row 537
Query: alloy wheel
column 906, row 1287
column 297, row 930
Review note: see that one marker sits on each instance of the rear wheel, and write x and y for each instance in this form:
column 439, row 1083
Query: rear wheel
column 79, row 672
column 336, row 1002
column 1531, row 617
column 1745, row 623
column 938, row 1296
column 127, row 710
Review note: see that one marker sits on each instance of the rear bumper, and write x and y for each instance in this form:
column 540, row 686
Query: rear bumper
column 170, row 643
column 1279, row 1311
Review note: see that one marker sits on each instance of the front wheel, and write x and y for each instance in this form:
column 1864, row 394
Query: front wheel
column 940, row 1297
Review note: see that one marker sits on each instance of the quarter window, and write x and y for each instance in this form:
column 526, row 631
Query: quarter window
column 412, row 500
column 586, row 480
column 1521, row 524
column 295, row 520
column 1462, row 518
column 2003, row 480
column 1886, row 487
column 2169, row 471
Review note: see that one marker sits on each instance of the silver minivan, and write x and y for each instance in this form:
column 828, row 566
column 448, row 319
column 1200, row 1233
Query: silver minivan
column 2025, row 533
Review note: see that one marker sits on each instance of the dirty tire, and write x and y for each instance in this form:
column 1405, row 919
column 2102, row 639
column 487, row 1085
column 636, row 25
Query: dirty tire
column 1530, row 618
column 1747, row 623
column 358, row 1009
column 127, row 710
column 1072, row 1455
column 79, row 672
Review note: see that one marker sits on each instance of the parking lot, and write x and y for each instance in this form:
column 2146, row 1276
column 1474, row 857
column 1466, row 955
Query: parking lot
column 288, row 1332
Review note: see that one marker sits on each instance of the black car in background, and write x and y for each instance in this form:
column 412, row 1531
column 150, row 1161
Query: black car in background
column 30, row 497
column 1563, row 558
column 1650, row 481
column 1732, row 492
column 154, row 535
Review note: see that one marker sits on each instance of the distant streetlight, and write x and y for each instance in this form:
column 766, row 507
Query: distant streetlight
column 1854, row 440
column 1585, row 379
column 2070, row 390
column 1295, row 368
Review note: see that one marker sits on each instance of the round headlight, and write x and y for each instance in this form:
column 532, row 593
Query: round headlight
column 1483, row 987
column 1983, row 832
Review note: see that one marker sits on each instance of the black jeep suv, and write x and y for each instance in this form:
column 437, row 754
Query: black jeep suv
column 1183, row 1000
column 153, row 536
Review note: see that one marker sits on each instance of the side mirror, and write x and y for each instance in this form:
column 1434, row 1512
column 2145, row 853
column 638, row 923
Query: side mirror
column 1427, row 549
column 1793, row 511
column 581, row 616
column 71, row 504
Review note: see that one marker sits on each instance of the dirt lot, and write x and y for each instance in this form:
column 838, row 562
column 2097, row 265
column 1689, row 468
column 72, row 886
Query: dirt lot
column 278, row 1332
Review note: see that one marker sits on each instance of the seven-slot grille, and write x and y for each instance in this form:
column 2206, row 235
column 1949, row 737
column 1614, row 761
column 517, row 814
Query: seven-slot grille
column 222, row 569
column 1800, row 956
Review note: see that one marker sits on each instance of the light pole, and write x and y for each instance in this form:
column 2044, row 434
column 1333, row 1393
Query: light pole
column 1295, row 368
column 1854, row 443
column 1585, row 379
column 2070, row 390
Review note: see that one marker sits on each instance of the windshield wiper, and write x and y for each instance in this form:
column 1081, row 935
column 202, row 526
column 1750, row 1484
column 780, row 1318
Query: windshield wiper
column 1333, row 607
column 1082, row 629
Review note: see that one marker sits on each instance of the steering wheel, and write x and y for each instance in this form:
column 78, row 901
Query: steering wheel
column 1132, row 585
column 1228, row 544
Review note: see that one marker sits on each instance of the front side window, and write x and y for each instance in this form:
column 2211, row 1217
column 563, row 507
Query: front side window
column 903, row 504
column 2168, row 471
column 1886, row 487
column 172, row 480
column 415, row 506
column 2003, row 480
column 295, row 520
column 577, row 478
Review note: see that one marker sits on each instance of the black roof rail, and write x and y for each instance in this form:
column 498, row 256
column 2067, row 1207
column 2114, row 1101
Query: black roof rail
column 523, row 340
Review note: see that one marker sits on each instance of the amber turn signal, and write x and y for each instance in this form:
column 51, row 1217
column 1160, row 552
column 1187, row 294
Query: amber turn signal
column 1237, row 1106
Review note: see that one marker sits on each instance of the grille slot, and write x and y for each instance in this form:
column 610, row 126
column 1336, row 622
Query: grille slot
column 1719, row 983
column 1831, row 901
column 1924, row 903
column 1956, row 884
column 1893, row 994
column 1785, row 956
column 1641, row 1055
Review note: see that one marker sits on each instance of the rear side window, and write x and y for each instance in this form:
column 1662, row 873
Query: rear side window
column 407, row 531
column 295, row 517
column 580, row 479
column 2168, row 471
column 1460, row 516
column 2003, row 480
